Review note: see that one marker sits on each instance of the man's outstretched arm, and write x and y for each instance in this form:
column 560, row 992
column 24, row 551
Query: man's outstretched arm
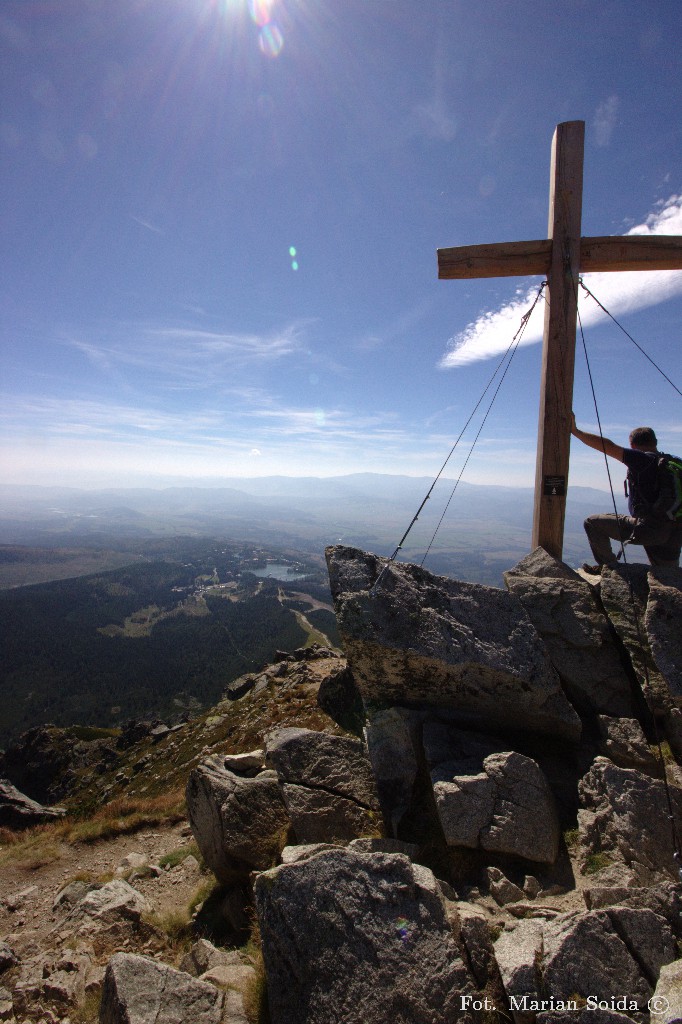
column 595, row 441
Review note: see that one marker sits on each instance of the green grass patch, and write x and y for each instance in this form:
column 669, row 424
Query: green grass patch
column 175, row 857
column 595, row 862
column 91, row 732
column 572, row 839
column 665, row 752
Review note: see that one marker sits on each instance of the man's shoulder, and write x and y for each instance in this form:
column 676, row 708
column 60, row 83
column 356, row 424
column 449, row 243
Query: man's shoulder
column 634, row 459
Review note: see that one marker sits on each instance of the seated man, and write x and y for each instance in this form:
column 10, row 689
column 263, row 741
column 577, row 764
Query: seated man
column 647, row 523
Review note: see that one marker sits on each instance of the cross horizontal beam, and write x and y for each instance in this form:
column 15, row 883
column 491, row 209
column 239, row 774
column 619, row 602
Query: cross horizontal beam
column 605, row 253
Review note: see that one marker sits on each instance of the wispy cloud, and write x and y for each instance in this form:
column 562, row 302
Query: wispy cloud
column 147, row 224
column 185, row 357
column 256, row 433
column 433, row 118
column 399, row 327
column 212, row 344
column 491, row 334
column 605, row 119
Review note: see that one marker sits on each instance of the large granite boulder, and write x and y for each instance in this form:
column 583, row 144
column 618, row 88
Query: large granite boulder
column 666, row 1004
column 319, row 760
column 506, row 807
column 598, row 954
column 327, row 784
column 138, row 990
column 239, row 823
column 320, row 817
column 359, row 938
column 420, row 639
column 562, row 607
column 625, row 820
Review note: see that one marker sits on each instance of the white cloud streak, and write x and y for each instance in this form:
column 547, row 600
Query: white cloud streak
column 187, row 357
column 605, row 120
column 433, row 118
column 491, row 333
column 147, row 224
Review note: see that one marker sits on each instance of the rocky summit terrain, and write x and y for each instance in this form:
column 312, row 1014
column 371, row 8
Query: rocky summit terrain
column 471, row 813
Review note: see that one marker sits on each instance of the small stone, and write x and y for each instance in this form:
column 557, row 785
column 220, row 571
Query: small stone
column 8, row 958
column 502, row 889
column 531, row 886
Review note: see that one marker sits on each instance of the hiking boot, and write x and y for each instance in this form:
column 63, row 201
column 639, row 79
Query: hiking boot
column 593, row 570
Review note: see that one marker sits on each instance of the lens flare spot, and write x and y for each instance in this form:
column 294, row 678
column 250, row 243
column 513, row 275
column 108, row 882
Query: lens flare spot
column 292, row 251
column 294, row 265
column 270, row 40
column 402, row 928
column 260, row 11
column 320, row 418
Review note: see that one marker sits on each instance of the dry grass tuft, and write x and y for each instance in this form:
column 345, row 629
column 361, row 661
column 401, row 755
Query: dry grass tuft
column 256, row 993
column 31, row 849
column 128, row 814
column 87, row 1012
column 41, row 845
column 177, row 925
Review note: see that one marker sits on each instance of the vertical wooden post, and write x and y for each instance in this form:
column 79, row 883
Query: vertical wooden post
column 558, row 350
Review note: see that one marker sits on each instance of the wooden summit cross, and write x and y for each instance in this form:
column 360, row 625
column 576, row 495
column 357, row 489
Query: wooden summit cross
column 560, row 257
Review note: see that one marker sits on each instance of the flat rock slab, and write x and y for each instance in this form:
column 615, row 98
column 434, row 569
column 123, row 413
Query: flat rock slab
column 359, row 938
column 423, row 639
column 18, row 811
column 140, row 991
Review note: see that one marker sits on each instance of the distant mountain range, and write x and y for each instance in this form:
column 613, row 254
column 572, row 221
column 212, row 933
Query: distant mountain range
column 486, row 529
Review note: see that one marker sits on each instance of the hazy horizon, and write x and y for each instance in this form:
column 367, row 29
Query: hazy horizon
column 217, row 482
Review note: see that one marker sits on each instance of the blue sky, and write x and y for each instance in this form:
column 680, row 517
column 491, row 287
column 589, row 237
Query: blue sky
column 220, row 224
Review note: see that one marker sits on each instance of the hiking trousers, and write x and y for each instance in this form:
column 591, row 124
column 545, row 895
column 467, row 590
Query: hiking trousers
column 602, row 529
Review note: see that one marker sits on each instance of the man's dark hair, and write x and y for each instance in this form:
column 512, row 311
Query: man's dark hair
column 643, row 436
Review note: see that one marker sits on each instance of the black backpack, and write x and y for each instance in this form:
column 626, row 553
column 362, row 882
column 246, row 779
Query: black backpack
column 669, row 501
